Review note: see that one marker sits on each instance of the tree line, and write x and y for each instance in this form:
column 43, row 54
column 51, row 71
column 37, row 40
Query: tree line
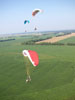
column 33, row 42
column 6, row 40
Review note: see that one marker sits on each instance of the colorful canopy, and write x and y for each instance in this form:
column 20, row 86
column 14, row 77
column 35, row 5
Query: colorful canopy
column 26, row 21
column 32, row 55
column 35, row 11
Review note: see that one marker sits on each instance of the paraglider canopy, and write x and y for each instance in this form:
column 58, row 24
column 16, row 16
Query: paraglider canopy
column 26, row 21
column 35, row 11
column 32, row 55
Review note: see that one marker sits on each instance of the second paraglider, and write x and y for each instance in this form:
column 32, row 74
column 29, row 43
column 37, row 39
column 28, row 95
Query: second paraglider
column 26, row 21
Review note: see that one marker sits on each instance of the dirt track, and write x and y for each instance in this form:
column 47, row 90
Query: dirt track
column 56, row 39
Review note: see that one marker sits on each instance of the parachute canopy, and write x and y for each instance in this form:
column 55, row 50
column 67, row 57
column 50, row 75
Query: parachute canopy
column 35, row 11
column 26, row 21
column 32, row 55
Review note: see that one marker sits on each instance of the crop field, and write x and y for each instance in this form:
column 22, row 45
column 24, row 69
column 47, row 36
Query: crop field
column 56, row 39
column 69, row 40
column 52, row 79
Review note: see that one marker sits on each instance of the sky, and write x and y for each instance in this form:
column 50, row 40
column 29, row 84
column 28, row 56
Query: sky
column 57, row 15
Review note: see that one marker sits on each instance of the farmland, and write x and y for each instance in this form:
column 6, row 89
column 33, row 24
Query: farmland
column 52, row 79
column 56, row 39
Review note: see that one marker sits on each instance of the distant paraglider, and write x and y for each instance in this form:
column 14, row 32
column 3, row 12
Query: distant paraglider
column 26, row 21
column 35, row 11
column 34, row 59
column 25, row 30
column 35, row 28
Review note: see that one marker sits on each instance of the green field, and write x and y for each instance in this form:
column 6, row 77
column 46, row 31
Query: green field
column 68, row 40
column 52, row 79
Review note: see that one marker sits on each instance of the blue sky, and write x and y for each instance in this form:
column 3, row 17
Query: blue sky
column 57, row 15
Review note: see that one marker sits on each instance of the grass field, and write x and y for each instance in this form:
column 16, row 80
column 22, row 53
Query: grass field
column 69, row 40
column 53, row 79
